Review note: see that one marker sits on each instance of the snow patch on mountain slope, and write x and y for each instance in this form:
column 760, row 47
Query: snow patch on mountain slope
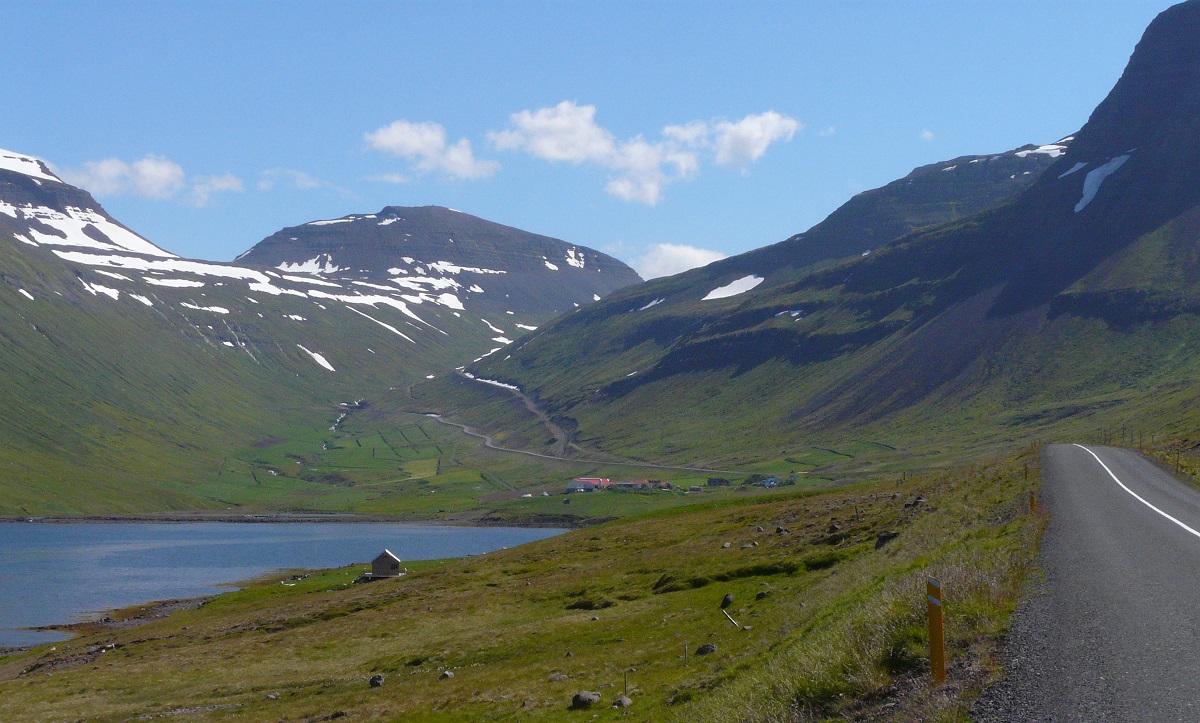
column 389, row 327
column 173, row 283
column 493, row 382
column 95, row 289
column 575, row 258
column 446, row 267
column 26, row 165
column 1074, row 168
column 197, row 307
column 739, row 286
column 318, row 358
column 312, row 266
column 1094, row 179
column 69, row 229
column 1054, row 150
column 329, row 222
column 310, row 280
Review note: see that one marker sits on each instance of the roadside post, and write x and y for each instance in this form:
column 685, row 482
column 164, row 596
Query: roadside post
column 937, row 633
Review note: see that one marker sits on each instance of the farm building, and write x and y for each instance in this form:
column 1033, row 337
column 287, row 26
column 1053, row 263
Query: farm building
column 386, row 565
column 598, row 481
column 581, row 486
column 633, row 484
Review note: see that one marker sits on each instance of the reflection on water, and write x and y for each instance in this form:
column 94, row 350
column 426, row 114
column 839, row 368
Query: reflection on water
column 56, row 573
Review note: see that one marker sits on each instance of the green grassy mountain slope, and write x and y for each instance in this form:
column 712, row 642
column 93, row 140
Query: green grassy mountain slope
column 1070, row 306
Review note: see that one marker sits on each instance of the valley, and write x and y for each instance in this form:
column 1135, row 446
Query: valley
column 758, row 460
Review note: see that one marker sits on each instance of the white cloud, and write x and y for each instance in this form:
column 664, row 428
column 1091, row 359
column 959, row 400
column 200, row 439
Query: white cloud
column 567, row 132
column 743, row 142
column 203, row 187
column 827, row 131
column 424, row 145
column 153, row 177
column 927, row 135
column 299, row 180
column 641, row 168
column 669, row 259
column 396, row 178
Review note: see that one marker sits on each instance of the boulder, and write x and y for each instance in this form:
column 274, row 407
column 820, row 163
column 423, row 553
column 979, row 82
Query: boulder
column 884, row 538
column 727, row 600
column 584, row 699
column 376, row 680
column 762, row 595
column 558, row 677
column 446, row 674
column 622, row 702
column 706, row 649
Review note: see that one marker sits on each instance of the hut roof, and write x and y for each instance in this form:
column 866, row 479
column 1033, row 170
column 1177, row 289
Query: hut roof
column 386, row 555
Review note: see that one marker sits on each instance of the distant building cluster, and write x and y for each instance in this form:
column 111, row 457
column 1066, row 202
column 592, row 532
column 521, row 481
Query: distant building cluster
column 591, row 484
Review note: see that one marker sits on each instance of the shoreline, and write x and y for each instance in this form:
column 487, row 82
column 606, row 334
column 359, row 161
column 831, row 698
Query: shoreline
column 113, row 619
column 480, row 519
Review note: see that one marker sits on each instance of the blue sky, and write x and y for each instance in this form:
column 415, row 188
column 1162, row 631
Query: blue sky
column 660, row 132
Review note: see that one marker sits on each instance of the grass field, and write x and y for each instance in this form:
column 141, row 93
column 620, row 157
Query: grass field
column 829, row 626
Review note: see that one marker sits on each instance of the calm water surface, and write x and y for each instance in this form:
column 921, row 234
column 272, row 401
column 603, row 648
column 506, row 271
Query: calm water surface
column 57, row 573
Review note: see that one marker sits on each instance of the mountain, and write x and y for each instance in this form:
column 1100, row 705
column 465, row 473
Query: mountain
column 1070, row 306
column 928, row 196
column 138, row 380
column 513, row 269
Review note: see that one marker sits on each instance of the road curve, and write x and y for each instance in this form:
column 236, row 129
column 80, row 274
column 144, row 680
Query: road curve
column 1112, row 631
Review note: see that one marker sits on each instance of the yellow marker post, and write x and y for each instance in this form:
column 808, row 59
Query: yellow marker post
column 937, row 633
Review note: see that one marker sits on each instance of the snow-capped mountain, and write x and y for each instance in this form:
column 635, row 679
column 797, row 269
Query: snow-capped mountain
column 132, row 370
column 448, row 255
column 401, row 269
column 39, row 209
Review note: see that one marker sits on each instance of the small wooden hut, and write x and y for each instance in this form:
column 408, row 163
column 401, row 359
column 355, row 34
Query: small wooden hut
column 386, row 565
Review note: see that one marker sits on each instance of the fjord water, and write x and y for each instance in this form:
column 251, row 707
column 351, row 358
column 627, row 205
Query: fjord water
column 58, row 573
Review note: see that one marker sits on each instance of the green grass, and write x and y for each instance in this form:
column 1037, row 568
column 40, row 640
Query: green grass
column 839, row 631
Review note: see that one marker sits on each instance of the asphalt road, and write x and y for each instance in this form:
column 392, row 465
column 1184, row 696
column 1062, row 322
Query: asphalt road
column 1112, row 632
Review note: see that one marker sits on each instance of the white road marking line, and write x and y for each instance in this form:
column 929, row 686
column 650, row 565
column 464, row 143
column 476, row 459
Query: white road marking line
column 1135, row 494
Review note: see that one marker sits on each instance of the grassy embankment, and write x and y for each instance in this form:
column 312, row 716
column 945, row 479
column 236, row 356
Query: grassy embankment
column 829, row 626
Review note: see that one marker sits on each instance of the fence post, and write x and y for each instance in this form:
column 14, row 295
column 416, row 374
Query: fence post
column 937, row 633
